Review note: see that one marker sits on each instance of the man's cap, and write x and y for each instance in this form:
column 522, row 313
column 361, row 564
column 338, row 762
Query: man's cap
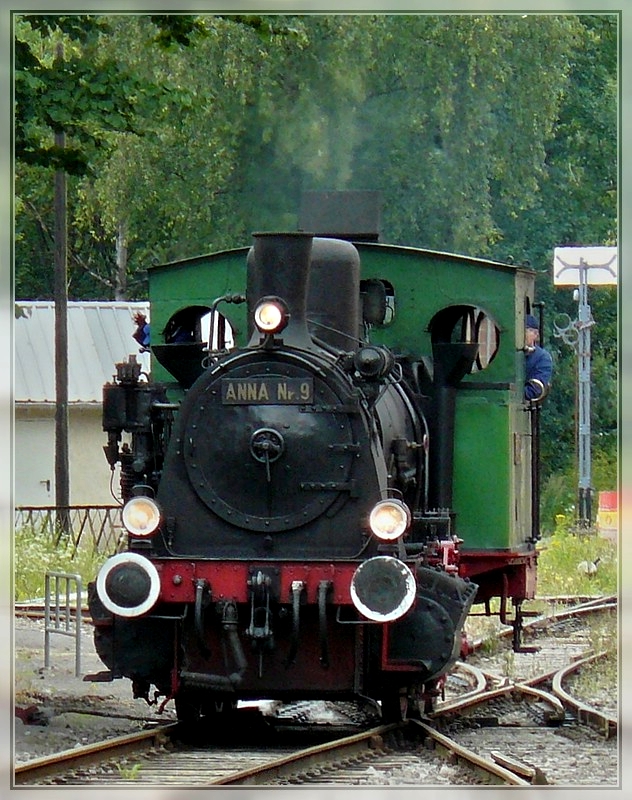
column 531, row 322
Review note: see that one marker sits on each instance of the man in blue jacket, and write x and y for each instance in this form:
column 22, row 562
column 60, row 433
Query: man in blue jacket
column 539, row 364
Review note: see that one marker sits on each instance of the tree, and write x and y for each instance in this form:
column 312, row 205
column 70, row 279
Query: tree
column 156, row 189
column 468, row 124
column 83, row 94
column 577, row 205
column 76, row 93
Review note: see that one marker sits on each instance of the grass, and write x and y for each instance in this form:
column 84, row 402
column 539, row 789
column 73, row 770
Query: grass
column 558, row 558
column 35, row 553
column 560, row 555
column 590, row 681
column 129, row 773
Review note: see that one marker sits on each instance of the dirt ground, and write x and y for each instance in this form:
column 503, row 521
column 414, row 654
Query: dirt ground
column 56, row 710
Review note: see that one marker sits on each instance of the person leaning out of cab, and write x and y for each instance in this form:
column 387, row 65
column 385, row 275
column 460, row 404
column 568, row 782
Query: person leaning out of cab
column 538, row 363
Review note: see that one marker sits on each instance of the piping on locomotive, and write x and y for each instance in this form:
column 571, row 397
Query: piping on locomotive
column 288, row 502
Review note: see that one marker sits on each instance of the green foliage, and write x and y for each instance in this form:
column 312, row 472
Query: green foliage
column 604, row 468
column 488, row 134
column 588, row 684
column 63, row 83
column 177, row 29
column 560, row 555
column 558, row 497
column 457, row 111
column 559, row 491
column 462, row 119
column 36, row 551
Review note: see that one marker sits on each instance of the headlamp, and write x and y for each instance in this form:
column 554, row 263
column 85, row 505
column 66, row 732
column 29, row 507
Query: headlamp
column 141, row 516
column 271, row 315
column 389, row 519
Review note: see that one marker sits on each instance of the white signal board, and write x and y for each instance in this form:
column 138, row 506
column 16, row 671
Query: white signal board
column 599, row 263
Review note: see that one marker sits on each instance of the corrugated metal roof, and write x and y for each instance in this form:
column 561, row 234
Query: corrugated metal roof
column 99, row 336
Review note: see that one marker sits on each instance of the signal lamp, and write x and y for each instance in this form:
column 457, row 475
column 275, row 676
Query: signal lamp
column 141, row 516
column 389, row 519
column 271, row 315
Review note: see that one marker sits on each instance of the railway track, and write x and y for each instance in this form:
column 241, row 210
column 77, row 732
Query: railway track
column 492, row 728
column 157, row 759
column 530, row 716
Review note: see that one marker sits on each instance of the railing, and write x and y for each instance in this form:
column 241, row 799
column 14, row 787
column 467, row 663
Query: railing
column 62, row 612
column 96, row 528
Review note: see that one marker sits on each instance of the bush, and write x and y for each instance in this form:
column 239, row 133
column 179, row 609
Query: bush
column 35, row 553
column 557, row 496
column 558, row 493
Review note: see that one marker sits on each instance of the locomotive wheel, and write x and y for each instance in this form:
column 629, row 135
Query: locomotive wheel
column 399, row 705
column 189, row 709
column 192, row 709
column 395, row 706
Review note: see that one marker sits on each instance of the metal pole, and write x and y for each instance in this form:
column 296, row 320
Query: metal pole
column 585, row 322
column 62, row 479
column 577, row 334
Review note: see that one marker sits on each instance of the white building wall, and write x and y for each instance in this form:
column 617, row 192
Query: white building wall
column 89, row 469
column 99, row 336
column 34, row 457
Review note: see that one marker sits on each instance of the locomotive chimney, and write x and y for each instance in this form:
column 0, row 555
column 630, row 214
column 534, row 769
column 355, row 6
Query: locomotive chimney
column 278, row 266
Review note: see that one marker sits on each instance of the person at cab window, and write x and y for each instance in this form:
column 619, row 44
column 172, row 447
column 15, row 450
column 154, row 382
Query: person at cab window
column 538, row 365
column 141, row 334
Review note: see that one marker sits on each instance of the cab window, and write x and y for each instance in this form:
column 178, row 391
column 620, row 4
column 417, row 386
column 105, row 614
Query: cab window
column 468, row 324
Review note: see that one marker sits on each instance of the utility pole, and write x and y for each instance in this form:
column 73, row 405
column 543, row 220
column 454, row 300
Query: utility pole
column 62, row 478
column 572, row 266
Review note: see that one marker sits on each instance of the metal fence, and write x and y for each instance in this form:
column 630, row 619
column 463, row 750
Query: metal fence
column 62, row 612
column 95, row 528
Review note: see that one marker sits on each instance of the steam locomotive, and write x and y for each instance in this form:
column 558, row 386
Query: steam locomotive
column 331, row 462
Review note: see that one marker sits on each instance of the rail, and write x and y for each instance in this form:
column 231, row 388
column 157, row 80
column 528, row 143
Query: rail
column 602, row 721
